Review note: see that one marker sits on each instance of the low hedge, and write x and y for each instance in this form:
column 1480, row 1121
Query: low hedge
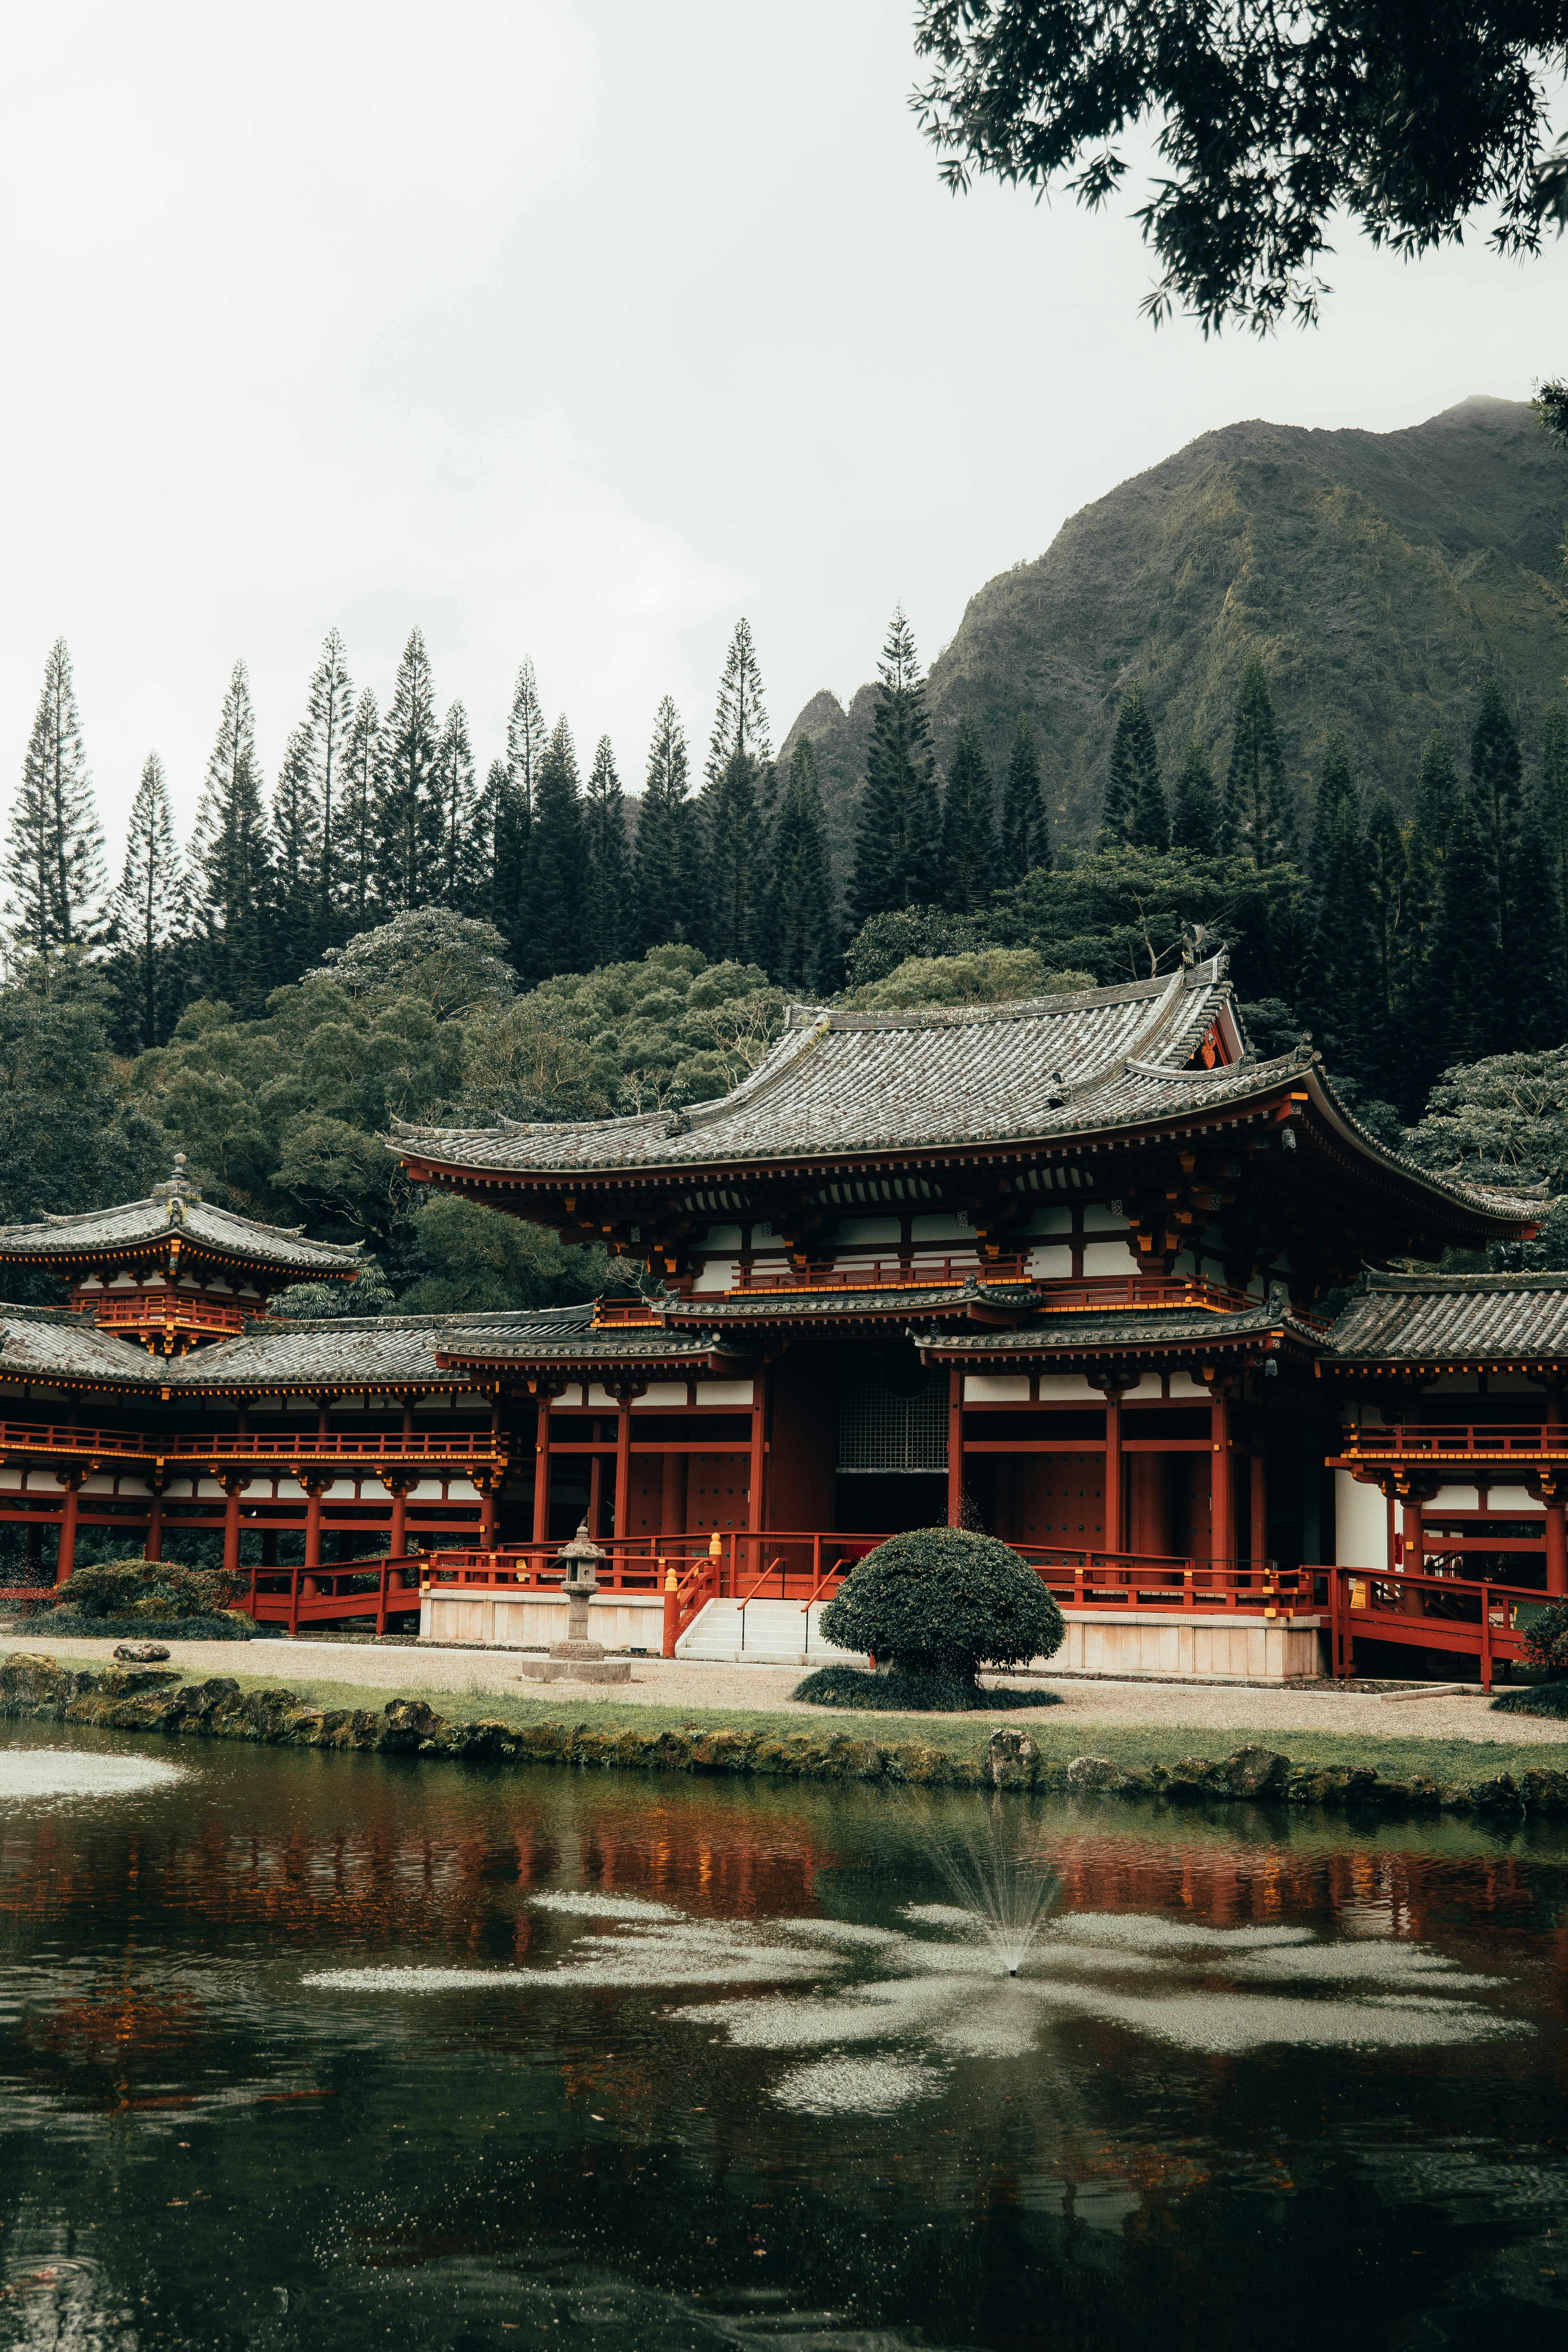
column 938, row 1604
column 1540, row 1698
column 901, row 1692
column 230, row 1627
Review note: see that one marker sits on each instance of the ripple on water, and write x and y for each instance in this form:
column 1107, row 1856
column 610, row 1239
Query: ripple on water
column 862, row 2086
column 29, row 1774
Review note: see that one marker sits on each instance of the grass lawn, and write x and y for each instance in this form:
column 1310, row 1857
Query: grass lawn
column 957, row 1735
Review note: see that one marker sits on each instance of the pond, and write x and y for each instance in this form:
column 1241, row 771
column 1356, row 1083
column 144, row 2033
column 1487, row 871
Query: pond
column 329, row 2050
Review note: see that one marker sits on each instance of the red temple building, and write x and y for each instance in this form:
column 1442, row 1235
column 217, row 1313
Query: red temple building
column 1055, row 1268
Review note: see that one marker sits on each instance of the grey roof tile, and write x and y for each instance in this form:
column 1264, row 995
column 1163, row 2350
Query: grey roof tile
column 1437, row 1317
column 188, row 1215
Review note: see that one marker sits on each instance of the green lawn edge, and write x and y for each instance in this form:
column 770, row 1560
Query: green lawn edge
column 965, row 1737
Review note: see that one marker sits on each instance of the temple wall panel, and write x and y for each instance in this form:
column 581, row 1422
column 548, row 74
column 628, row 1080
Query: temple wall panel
column 1361, row 1523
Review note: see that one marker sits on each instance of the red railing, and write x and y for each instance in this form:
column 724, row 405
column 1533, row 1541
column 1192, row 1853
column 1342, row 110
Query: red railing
column 1456, row 1441
column 1425, row 1613
column 1135, row 1290
column 916, row 1271
column 623, row 1311
column 293, row 1597
column 168, row 1310
column 56, row 1437
column 389, row 1446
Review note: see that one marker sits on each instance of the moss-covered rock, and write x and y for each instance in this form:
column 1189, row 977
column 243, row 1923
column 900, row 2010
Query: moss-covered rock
column 1544, row 1791
column 1012, row 1759
column 1251, row 1771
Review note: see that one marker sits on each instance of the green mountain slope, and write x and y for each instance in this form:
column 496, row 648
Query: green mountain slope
column 1384, row 577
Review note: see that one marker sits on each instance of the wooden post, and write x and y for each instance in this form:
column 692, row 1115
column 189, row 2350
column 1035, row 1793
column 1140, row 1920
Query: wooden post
column 488, row 1515
column 956, row 1445
column 1257, row 1520
column 1113, row 1528
column 233, row 1488
column 1414, row 1556
column 757, row 1489
column 1220, row 1542
column 65, row 1559
column 671, row 1610
column 1556, row 1550
column 596, row 1487
column 155, row 1544
column 312, row 1521
column 542, row 1471
column 398, row 1546
column 623, row 1466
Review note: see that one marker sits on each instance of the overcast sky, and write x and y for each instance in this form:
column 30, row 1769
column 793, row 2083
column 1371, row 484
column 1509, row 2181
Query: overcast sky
column 574, row 332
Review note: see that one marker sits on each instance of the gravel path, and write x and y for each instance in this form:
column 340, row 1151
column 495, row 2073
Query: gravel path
column 1244, row 1711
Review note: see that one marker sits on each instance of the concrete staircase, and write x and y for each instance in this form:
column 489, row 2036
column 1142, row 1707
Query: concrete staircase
column 762, row 1632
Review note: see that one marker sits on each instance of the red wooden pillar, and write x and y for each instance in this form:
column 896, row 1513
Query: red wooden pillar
column 1221, row 1542
column 65, row 1559
column 398, row 1546
column 542, row 1471
column 758, row 1470
column 1112, row 1513
column 956, row 1445
column 623, row 1466
column 1413, row 1556
column 486, row 1515
column 1556, row 1549
column 595, row 1487
column 233, row 1488
column 312, row 1521
column 155, row 1544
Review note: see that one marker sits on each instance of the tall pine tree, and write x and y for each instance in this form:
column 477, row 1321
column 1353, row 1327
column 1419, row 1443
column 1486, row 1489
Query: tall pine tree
column 1260, row 814
column 1537, row 998
column 1336, row 787
column 1195, row 820
column 1438, row 797
column 1133, row 780
column 407, row 818
column 456, row 878
column 358, row 800
column 608, row 913
column 737, row 806
column 804, row 933
column 1554, row 795
column 1387, row 854
column 148, row 909
column 898, row 839
column 298, row 935
column 1462, row 985
column 1341, row 986
column 56, row 845
column 552, row 940
column 669, row 866
column 1024, row 837
column 509, row 808
column 330, row 716
column 1496, row 800
column 230, row 861
column 968, row 829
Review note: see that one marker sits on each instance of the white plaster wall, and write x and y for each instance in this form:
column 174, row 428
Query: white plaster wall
column 1069, row 1384
column 717, row 1393
column 995, row 1388
column 660, row 1392
column 1183, row 1385
column 1098, row 1219
column 717, row 1274
column 1050, row 1262
column 1361, row 1524
column 1511, row 1500
column 1109, row 1257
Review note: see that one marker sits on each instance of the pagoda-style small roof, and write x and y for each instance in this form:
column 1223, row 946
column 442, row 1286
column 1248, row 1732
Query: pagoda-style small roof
column 143, row 1229
column 1436, row 1321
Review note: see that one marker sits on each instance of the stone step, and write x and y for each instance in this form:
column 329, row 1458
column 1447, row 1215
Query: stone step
column 760, row 1632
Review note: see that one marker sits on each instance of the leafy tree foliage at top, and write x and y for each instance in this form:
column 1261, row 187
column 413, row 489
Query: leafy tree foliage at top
column 1409, row 119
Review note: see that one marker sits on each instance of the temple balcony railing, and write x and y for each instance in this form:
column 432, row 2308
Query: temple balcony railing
column 166, row 1314
column 1462, row 1442
column 46, row 1441
column 916, row 1270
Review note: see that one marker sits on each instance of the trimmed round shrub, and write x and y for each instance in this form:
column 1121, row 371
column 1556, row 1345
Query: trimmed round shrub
column 942, row 1603
column 1546, row 1639
column 146, row 1593
column 917, row 1693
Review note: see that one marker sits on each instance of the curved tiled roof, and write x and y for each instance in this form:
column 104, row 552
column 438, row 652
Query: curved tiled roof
column 1044, row 1069
column 853, row 1082
column 1434, row 1318
column 173, row 1210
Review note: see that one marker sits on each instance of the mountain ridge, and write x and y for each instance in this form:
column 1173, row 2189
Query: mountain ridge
column 1383, row 577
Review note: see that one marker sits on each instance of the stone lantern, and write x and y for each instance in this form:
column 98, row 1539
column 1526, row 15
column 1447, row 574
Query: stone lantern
column 578, row 1659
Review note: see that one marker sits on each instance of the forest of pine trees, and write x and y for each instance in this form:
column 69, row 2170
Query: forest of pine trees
column 1399, row 937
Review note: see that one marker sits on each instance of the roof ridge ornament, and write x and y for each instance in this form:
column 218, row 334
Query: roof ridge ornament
column 177, row 1189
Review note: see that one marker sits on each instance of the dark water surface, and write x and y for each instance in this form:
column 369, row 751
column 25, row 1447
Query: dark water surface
column 349, row 2050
